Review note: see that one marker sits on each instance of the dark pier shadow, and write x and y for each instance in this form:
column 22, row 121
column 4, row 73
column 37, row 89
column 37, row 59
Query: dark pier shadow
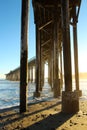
column 51, row 122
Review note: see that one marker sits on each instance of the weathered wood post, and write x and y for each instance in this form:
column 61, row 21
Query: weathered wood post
column 32, row 73
column 76, row 51
column 28, row 73
column 61, row 75
column 42, row 74
column 24, row 56
column 70, row 100
column 49, row 71
column 51, row 65
column 38, row 62
column 56, row 86
column 60, row 65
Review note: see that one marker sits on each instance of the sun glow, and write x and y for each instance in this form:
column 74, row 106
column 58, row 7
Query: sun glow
column 46, row 71
column 2, row 76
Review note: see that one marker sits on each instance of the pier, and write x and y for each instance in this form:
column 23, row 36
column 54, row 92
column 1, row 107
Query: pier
column 14, row 75
column 52, row 19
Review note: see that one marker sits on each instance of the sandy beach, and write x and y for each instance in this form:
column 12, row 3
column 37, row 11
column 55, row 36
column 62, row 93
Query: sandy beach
column 45, row 115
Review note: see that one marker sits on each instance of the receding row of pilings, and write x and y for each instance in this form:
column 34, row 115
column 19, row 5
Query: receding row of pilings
column 31, row 74
column 15, row 74
column 70, row 99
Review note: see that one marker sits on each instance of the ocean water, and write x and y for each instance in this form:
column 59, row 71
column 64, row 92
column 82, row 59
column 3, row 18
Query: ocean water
column 9, row 92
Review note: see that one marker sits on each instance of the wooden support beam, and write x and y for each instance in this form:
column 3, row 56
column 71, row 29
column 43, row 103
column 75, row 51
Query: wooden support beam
column 56, row 84
column 69, row 98
column 28, row 73
column 46, row 31
column 51, row 66
column 66, row 45
column 31, row 73
column 46, row 24
column 24, row 56
column 45, row 52
column 45, row 56
column 42, row 74
column 48, row 2
column 55, row 44
column 61, row 70
column 38, row 61
column 45, row 42
column 49, row 72
column 75, row 49
column 79, row 5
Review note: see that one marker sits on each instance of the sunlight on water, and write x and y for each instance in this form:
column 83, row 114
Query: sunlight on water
column 9, row 92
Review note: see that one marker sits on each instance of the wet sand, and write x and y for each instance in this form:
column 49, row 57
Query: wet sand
column 45, row 115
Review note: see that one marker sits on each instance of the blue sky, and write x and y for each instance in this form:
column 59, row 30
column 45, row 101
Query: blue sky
column 82, row 37
column 10, row 23
column 10, row 28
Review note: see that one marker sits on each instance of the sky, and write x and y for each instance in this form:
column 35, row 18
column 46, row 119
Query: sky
column 82, row 37
column 10, row 33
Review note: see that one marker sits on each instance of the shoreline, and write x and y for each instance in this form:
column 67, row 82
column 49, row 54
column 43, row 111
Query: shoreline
column 45, row 115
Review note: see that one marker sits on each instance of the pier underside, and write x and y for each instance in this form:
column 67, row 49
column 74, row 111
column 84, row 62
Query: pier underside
column 52, row 19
